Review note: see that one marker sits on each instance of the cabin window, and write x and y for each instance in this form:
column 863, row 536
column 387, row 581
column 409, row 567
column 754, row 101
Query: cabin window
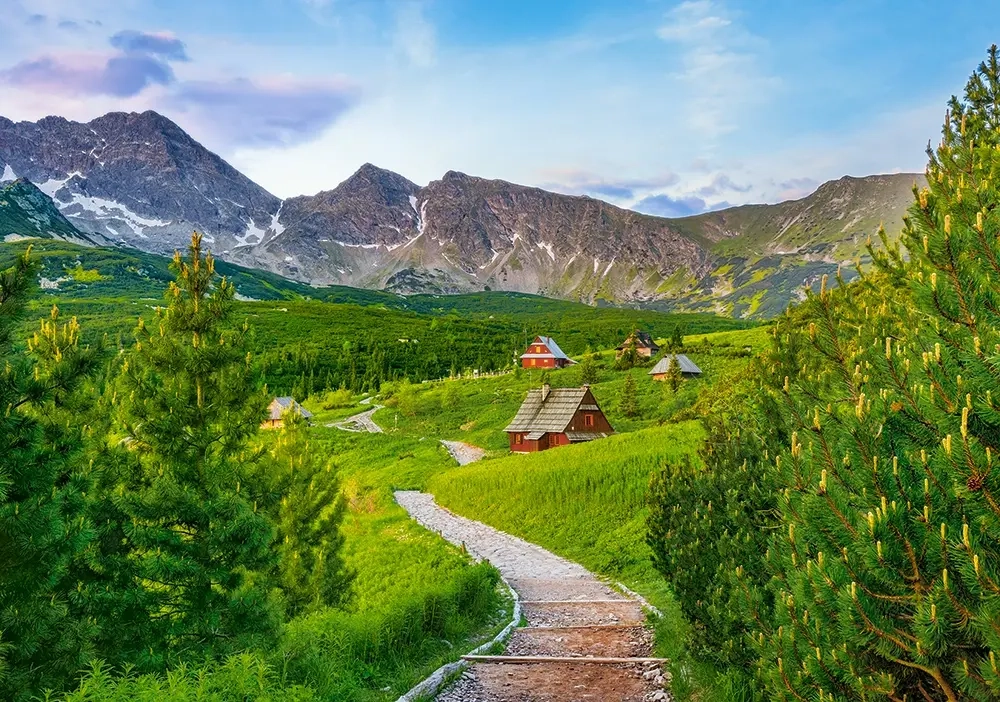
column 532, row 361
column 553, row 439
column 517, row 438
column 588, row 420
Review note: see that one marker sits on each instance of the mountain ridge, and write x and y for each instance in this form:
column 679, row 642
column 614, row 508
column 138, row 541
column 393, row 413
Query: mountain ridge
column 139, row 180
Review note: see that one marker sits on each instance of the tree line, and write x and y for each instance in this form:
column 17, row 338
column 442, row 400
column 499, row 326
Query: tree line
column 143, row 521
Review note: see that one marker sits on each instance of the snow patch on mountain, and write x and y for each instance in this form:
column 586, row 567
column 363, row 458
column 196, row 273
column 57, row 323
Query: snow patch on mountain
column 8, row 174
column 103, row 209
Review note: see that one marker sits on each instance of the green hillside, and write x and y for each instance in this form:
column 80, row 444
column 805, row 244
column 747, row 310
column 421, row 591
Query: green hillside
column 765, row 254
column 324, row 338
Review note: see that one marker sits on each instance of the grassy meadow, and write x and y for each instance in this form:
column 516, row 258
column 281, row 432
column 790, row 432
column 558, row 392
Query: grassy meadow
column 416, row 601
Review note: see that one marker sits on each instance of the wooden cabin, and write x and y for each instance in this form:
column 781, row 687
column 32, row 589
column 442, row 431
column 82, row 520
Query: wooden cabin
column 689, row 369
column 551, row 417
column 544, row 352
column 276, row 411
column 643, row 343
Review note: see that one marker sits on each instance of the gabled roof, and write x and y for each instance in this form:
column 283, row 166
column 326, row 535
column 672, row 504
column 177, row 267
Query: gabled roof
column 551, row 415
column 642, row 340
column 553, row 347
column 686, row 364
column 280, row 405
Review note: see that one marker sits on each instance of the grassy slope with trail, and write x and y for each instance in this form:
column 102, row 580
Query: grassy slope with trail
column 588, row 502
column 417, row 600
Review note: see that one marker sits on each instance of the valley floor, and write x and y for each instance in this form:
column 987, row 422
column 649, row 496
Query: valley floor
column 569, row 614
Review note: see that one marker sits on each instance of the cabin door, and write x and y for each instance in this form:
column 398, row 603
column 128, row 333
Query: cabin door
column 553, row 440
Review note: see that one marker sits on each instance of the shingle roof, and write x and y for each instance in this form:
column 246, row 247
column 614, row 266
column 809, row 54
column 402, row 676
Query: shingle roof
column 686, row 364
column 280, row 405
column 550, row 343
column 552, row 415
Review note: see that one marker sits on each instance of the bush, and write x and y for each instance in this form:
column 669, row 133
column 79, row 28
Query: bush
column 242, row 678
column 338, row 399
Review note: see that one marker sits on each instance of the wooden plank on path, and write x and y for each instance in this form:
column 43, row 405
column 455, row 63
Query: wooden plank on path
column 560, row 659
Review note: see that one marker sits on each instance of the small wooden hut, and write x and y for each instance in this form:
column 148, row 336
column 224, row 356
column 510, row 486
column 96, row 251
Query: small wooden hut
column 689, row 369
column 544, row 352
column 643, row 343
column 551, row 417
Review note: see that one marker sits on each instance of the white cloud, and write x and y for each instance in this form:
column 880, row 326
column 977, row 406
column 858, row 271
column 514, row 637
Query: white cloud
column 720, row 72
column 414, row 37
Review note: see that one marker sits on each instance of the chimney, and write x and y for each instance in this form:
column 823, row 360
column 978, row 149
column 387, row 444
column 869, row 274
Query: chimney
column 546, row 389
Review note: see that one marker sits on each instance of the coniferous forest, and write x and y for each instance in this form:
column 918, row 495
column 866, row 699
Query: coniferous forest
column 845, row 540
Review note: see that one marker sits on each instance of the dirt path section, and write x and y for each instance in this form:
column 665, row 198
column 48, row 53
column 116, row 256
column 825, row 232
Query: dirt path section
column 361, row 422
column 569, row 613
column 462, row 452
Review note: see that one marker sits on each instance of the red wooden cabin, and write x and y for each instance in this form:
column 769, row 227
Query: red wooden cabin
column 544, row 352
column 552, row 417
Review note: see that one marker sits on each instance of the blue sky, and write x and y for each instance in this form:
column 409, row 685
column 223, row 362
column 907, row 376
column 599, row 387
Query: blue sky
column 663, row 106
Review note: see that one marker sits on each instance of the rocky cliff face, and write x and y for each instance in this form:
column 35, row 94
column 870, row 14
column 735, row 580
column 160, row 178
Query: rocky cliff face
column 463, row 233
column 139, row 180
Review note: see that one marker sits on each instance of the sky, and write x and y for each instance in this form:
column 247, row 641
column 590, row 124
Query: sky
column 666, row 107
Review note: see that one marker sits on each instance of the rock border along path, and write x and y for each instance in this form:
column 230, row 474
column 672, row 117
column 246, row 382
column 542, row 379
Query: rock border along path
column 360, row 423
column 583, row 640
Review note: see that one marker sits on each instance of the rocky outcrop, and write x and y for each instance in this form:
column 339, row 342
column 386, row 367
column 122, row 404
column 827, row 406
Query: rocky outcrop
column 28, row 213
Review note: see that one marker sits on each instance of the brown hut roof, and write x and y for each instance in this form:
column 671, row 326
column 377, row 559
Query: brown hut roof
column 642, row 340
column 551, row 414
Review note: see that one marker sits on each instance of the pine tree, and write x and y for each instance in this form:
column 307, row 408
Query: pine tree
column 188, row 571
column 673, row 374
column 629, row 403
column 308, row 518
column 676, row 342
column 887, row 566
column 588, row 370
column 629, row 357
column 42, row 487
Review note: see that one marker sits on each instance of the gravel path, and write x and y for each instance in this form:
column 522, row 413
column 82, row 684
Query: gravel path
column 361, row 422
column 569, row 612
column 462, row 452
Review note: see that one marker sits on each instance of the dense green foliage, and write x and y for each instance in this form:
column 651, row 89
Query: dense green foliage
column 320, row 339
column 872, row 573
column 145, row 524
column 185, row 408
column 42, row 494
column 308, row 509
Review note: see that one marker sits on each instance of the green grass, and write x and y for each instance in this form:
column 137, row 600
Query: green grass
column 311, row 339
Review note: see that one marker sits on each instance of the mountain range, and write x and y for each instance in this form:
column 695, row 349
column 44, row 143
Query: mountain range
column 140, row 181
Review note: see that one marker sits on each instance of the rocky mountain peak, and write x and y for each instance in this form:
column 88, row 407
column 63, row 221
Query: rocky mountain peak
column 138, row 179
column 377, row 182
